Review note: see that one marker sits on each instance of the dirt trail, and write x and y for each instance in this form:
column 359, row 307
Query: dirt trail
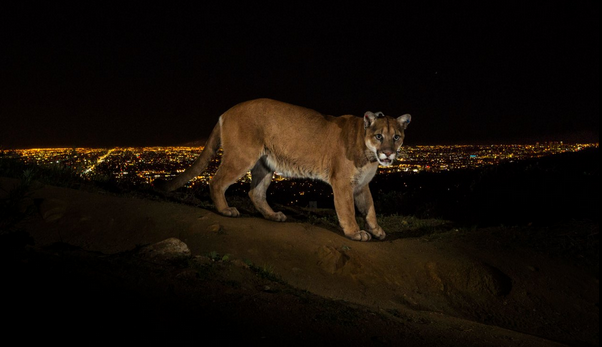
column 453, row 282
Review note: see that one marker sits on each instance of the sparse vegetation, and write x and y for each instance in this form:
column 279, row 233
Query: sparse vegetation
column 55, row 174
column 14, row 205
column 215, row 256
column 265, row 271
column 410, row 226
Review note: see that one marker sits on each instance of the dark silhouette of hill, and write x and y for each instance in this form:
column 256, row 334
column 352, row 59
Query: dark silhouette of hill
column 545, row 191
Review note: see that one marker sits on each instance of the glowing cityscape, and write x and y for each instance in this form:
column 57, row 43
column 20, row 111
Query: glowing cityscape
column 142, row 165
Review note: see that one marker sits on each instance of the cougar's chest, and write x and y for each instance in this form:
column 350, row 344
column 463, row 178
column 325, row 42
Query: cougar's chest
column 363, row 175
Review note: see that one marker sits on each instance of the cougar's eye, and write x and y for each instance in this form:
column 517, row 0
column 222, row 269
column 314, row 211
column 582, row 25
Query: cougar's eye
column 379, row 137
column 396, row 137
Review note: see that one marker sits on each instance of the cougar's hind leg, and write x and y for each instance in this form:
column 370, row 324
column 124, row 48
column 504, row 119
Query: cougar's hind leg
column 261, row 177
column 232, row 167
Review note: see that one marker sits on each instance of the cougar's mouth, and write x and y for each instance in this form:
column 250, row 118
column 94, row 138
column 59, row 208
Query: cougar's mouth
column 385, row 162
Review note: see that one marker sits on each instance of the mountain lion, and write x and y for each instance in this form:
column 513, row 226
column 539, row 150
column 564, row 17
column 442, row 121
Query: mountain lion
column 266, row 135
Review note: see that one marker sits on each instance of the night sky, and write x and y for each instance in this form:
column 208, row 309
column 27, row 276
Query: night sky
column 108, row 74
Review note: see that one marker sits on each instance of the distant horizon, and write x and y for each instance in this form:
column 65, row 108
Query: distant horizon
column 194, row 145
column 583, row 137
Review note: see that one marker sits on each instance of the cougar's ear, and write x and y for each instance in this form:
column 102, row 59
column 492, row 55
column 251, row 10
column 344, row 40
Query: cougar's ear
column 404, row 120
column 369, row 118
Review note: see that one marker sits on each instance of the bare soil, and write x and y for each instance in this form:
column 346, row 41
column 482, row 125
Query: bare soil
column 74, row 272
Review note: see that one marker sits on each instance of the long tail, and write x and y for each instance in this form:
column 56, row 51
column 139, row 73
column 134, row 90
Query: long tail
column 199, row 165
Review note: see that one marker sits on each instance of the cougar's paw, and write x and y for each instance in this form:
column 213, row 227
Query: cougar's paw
column 379, row 233
column 277, row 217
column 360, row 236
column 230, row 212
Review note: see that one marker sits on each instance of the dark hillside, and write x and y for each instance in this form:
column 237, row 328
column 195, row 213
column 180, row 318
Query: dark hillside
column 542, row 191
column 532, row 279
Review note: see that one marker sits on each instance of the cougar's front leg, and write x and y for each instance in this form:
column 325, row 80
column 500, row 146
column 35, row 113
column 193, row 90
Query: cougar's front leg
column 365, row 205
column 343, row 203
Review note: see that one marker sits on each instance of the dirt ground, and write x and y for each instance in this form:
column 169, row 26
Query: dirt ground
column 78, row 270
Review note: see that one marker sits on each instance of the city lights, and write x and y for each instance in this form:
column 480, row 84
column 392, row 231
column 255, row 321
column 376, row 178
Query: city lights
column 142, row 165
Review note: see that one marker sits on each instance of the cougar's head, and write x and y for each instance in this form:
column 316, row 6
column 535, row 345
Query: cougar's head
column 384, row 135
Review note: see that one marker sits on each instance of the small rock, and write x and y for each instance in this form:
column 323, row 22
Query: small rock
column 268, row 289
column 240, row 263
column 171, row 249
column 52, row 209
column 215, row 228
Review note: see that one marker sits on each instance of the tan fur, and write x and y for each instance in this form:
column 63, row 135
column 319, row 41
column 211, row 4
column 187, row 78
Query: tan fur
column 265, row 136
